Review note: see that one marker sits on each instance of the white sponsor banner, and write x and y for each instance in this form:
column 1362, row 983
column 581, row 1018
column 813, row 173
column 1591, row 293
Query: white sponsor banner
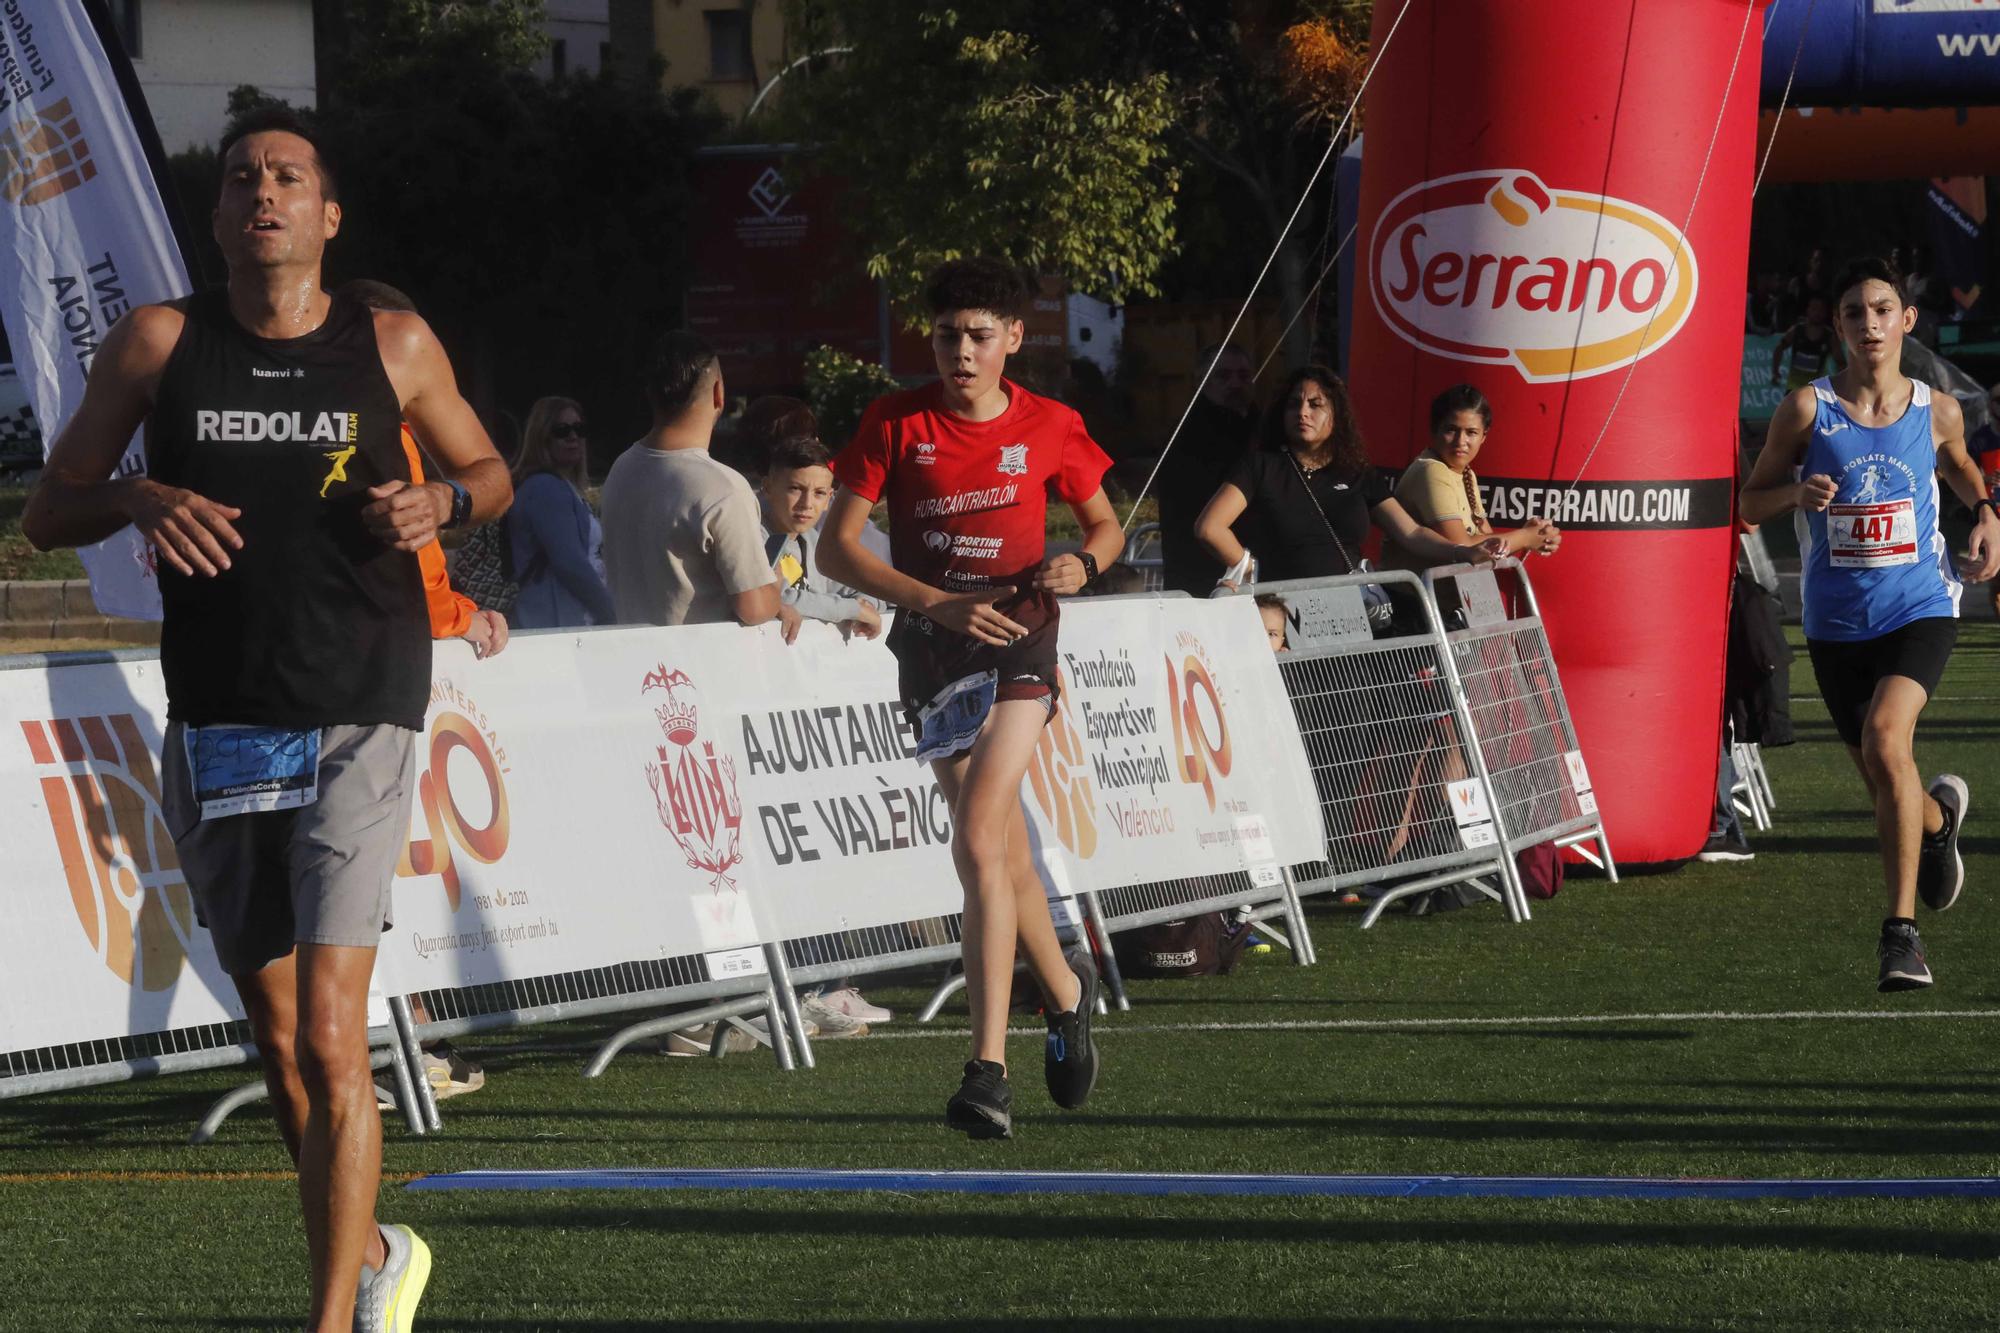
column 87, row 238
column 578, row 804
column 1173, row 753
column 101, row 939
column 620, row 795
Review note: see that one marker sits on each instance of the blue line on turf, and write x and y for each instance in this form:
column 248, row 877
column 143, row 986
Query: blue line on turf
column 1242, row 1186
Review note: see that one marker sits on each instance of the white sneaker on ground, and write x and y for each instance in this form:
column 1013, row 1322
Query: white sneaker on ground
column 831, row 1022
column 450, row 1073
column 696, row 1041
column 763, row 1031
column 847, row 1000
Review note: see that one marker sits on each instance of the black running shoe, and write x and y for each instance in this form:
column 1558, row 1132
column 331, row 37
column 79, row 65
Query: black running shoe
column 1903, row 965
column 983, row 1106
column 1726, row 847
column 1940, row 869
column 1070, row 1059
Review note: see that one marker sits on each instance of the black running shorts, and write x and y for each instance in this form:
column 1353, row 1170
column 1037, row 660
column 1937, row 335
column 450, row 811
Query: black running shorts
column 1849, row 672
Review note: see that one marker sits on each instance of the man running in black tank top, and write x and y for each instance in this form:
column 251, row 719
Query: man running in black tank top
column 295, row 648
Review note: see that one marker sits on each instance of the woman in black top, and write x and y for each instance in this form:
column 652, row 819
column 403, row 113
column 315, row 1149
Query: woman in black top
column 1312, row 492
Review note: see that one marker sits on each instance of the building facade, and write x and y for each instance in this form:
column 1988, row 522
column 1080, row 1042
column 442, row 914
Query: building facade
column 188, row 54
column 579, row 37
column 727, row 48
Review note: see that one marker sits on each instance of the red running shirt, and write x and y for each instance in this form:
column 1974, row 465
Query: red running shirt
column 968, row 500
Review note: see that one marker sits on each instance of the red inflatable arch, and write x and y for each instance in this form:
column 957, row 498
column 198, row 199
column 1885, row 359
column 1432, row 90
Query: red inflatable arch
column 1555, row 206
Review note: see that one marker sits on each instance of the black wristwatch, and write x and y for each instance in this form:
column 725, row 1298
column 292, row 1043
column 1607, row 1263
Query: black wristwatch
column 1988, row 503
column 1089, row 567
column 461, row 505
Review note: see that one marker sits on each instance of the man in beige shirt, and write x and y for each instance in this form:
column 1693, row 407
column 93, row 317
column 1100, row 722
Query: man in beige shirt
column 682, row 535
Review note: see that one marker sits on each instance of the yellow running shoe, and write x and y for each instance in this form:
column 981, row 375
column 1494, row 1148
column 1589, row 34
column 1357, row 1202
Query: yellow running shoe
column 387, row 1301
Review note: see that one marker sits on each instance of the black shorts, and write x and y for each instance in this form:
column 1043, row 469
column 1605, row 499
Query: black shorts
column 1849, row 672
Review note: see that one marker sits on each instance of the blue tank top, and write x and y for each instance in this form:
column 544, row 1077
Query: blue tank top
column 1875, row 560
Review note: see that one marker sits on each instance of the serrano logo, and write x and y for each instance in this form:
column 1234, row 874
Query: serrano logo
column 1061, row 781
column 44, row 157
column 1201, row 731
column 1496, row 267
column 443, row 799
column 694, row 789
column 103, row 798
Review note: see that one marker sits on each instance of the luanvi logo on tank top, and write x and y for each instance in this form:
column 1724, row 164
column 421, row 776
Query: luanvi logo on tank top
column 1498, row 268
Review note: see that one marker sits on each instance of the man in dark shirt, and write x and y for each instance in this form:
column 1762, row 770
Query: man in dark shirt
column 295, row 646
column 1220, row 427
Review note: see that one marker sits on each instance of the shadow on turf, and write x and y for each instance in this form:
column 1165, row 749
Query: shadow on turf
column 718, row 1221
column 1815, row 842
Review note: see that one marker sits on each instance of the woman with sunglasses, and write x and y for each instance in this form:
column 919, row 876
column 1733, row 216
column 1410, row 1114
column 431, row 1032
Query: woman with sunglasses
column 554, row 537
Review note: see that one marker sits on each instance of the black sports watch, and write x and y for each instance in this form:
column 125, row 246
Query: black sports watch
column 1089, row 567
column 461, row 505
column 1988, row 503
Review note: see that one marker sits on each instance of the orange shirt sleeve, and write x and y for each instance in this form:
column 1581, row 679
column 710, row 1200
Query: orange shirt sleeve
column 451, row 611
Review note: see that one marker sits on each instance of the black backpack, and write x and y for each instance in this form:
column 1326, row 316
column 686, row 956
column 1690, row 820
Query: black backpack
column 1207, row 945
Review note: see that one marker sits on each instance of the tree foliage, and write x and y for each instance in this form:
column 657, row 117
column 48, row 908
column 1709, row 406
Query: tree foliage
column 987, row 132
column 839, row 389
column 538, row 224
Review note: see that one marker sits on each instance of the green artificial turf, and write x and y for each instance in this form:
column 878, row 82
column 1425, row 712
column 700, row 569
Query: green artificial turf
column 1670, row 1088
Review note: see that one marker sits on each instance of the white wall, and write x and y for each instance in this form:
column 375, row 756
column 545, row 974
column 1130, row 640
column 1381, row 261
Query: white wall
column 583, row 26
column 192, row 52
column 1095, row 328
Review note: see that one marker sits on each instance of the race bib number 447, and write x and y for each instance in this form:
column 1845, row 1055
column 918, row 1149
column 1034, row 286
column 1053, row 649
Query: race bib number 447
column 1872, row 536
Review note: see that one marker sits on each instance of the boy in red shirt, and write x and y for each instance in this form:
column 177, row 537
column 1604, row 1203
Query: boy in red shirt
column 966, row 464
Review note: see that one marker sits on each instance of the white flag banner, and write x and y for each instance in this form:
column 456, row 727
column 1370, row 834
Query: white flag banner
column 86, row 233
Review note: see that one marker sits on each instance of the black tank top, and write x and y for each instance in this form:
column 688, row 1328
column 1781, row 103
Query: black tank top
column 316, row 622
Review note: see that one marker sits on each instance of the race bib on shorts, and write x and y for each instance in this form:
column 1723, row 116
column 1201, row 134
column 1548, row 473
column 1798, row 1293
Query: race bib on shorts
column 240, row 770
column 1872, row 536
column 951, row 721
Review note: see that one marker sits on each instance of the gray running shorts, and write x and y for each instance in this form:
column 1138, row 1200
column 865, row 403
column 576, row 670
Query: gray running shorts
column 266, row 880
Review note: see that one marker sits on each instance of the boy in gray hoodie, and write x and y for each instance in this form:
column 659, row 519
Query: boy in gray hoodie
column 797, row 487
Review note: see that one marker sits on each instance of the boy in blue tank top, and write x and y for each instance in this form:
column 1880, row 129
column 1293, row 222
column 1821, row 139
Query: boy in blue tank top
column 1857, row 456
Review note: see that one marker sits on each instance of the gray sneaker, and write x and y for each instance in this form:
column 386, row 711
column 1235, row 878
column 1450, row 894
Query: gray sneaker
column 1940, row 869
column 1902, row 955
column 387, row 1301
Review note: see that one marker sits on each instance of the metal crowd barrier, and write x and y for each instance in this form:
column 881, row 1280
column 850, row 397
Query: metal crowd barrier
column 105, row 1060
column 1500, row 650
column 1406, row 803
column 1437, row 749
column 1142, row 552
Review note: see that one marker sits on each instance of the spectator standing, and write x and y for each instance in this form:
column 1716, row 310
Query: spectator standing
column 1813, row 346
column 1802, row 286
column 796, row 489
column 766, row 423
column 555, row 539
column 681, row 531
column 1314, row 494
column 1984, row 447
column 1441, row 491
column 1221, row 427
